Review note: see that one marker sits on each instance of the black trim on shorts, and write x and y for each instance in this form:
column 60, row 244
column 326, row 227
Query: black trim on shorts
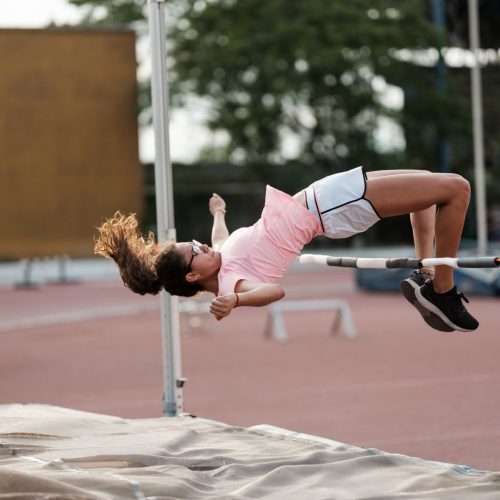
column 373, row 208
column 342, row 205
column 364, row 192
column 317, row 208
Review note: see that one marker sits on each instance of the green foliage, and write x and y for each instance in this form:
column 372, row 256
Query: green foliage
column 302, row 68
column 308, row 70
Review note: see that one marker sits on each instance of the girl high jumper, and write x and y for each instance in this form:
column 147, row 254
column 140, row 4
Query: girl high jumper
column 243, row 268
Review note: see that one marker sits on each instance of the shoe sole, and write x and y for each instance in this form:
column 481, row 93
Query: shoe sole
column 430, row 307
column 409, row 289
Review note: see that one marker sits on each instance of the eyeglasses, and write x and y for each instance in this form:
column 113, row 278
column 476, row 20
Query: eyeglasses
column 196, row 250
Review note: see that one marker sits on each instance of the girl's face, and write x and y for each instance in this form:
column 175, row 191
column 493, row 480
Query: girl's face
column 200, row 258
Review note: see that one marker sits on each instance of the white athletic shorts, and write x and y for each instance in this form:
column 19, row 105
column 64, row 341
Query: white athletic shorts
column 338, row 201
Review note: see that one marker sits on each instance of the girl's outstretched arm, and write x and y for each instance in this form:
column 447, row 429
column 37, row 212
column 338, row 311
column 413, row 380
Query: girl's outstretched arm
column 247, row 293
column 217, row 207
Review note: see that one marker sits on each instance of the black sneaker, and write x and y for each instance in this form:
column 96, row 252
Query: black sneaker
column 448, row 307
column 409, row 286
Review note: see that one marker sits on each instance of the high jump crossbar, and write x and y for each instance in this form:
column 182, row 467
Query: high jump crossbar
column 399, row 263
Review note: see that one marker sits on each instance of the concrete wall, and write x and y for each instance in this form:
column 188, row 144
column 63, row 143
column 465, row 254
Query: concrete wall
column 68, row 138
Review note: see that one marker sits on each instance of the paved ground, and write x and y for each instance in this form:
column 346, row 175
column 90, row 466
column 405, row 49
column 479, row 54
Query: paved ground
column 399, row 387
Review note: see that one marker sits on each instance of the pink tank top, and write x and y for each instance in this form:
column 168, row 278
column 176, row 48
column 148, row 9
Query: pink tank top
column 264, row 251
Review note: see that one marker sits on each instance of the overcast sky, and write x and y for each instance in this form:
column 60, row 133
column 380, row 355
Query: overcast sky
column 35, row 13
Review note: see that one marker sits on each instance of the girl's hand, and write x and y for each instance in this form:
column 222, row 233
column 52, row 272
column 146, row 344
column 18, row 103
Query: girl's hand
column 216, row 204
column 223, row 305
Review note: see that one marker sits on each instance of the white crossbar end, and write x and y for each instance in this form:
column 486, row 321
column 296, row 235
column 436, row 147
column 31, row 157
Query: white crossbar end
column 309, row 258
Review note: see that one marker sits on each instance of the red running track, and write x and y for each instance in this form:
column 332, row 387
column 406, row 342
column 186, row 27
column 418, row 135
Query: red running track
column 400, row 387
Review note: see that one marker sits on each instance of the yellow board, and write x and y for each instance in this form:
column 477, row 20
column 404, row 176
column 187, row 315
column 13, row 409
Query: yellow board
column 68, row 138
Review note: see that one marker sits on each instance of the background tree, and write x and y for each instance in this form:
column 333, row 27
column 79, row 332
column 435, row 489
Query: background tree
column 288, row 69
column 310, row 70
column 313, row 74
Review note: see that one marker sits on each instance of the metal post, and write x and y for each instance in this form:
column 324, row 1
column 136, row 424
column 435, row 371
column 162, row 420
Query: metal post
column 438, row 15
column 477, row 122
column 173, row 382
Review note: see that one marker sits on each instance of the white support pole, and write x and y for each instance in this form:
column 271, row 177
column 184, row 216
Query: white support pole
column 173, row 381
column 477, row 123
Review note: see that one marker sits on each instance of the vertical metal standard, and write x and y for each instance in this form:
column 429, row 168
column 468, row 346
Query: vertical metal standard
column 477, row 123
column 172, row 396
column 438, row 15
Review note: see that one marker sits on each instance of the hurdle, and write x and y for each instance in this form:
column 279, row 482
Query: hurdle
column 275, row 326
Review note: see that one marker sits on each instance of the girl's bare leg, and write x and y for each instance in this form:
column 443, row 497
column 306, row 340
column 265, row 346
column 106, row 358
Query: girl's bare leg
column 416, row 192
column 422, row 224
column 422, row 221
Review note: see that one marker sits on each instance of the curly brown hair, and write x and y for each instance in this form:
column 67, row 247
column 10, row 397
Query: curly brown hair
column 119, row 239
column 143, row 268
